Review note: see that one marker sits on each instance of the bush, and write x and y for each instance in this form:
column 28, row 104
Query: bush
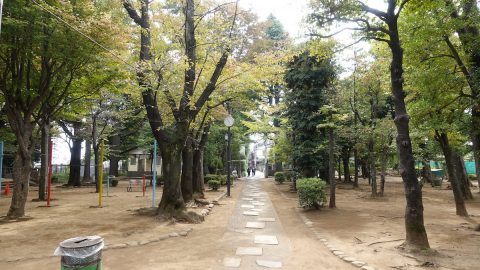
column 311, row 192
column 279, row 177
column 209, row 177
column 288, row 175
column 222, row 179
column 214, row 184
column 114, row 182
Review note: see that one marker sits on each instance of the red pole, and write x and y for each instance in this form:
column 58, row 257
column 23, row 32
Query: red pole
column 49, row 188
column 143, row 187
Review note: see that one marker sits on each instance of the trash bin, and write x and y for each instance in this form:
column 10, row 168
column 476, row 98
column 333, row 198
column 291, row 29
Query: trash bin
column 84, row 252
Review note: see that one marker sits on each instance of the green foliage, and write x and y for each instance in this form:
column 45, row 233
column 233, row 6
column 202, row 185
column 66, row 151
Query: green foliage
column 221, row 179
column 61, row 178
column 279, row 177
column 308, row 78
column 288, row 175
column 209, row 177
column 214, row 184
column 311, row 192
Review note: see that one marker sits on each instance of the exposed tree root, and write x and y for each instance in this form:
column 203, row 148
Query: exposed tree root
column 181, row 215
column 477, row 228
column 202, row 201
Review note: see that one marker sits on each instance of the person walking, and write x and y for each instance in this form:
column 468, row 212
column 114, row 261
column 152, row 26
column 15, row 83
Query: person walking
column 248, row 171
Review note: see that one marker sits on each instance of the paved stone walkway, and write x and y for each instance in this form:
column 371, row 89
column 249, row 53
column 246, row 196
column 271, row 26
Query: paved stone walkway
column 255, row 238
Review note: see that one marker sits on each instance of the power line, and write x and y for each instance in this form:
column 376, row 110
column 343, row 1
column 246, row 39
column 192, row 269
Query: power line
column 83, row 34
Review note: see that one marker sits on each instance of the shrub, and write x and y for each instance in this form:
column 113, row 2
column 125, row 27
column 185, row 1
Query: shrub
column 114, row 182
column 279, row 177
column 311, row 192
column 222, row 179
column 214, row 184
column 288, row 175
column 209, row 177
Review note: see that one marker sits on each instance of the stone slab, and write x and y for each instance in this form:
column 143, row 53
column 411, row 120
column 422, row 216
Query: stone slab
column 247, row 199
column 253, row 251
column 358, row 263
column 244, row 231
column 256, row 209
column 258, row 203
column 232, row 262
column 250, row 213
column 266, row 239
column 255, row 225
column 269, row 264
column 247, row 206
column 267, row 219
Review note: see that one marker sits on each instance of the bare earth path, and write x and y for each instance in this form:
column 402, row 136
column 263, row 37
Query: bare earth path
column 280, row 241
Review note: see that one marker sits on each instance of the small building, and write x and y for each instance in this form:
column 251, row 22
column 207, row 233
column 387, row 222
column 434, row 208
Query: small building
column 140, row 163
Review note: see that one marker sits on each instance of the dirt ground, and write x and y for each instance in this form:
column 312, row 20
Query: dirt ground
column 355, row 226
column 362, row 226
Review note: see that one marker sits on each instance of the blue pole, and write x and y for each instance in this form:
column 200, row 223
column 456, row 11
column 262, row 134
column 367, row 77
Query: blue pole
column 108, row 184
column 1, row 167
column 154, row 180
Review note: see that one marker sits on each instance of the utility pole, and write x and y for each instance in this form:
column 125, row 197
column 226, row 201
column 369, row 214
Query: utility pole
column 355, row 152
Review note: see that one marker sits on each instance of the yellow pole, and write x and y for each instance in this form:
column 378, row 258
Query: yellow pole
column 100, row 190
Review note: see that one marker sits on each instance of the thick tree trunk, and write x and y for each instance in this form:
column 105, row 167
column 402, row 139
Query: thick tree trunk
column 462, row 177
column 373, row 171
column 75, row 162
column 21, row 177
column 198, row 174
column 339, row 169
column 187, row 171
column 346, row 164
column 87, row 161
column 172, row 204
column 45, row 133
column 452, row 175
column 331, row 167
column 114, row 155
column 416, row 234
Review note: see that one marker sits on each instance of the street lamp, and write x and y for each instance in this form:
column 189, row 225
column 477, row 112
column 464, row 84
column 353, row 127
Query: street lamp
column 229, row 121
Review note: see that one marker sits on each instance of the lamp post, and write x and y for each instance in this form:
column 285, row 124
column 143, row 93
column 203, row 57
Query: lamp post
column 229, row 121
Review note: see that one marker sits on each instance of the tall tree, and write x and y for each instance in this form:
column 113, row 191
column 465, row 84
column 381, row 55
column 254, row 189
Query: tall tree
column 172, row 137
column 383, row 26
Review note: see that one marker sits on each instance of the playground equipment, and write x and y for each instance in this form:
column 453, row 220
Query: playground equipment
column 81, row 253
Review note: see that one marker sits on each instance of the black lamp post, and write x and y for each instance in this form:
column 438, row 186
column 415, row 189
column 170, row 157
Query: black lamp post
column 229, row 121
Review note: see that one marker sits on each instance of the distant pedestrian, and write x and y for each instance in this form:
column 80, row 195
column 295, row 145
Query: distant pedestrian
column 253, row 171
column 248, row 171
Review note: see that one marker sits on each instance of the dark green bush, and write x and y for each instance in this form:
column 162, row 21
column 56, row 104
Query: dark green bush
column 279, row 177
column 222, row 179
column 209, row 177
column 288, row 175
column 311, row 192
column 114, row 182
column 214, row 184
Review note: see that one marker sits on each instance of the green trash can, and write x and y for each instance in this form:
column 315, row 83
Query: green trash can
column 84, row 252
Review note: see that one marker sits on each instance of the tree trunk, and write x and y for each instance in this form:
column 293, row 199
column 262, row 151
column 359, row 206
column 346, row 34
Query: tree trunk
column 75, row 162
column 416, row 234
column 172, row 204
column 442, row 138
column 462, row 177
column 114, row 154
column 339, row 169
column 373, row 171
column 43, row 162
column 87, row 161
column 21, row 177
column 331, row 167
column 96, row 155
column 346, row 164
column 383, row 165
column 198, row 174
column 187, row 171
column 355, row 160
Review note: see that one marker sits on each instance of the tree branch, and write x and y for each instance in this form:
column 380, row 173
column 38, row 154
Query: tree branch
column 132, row 12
